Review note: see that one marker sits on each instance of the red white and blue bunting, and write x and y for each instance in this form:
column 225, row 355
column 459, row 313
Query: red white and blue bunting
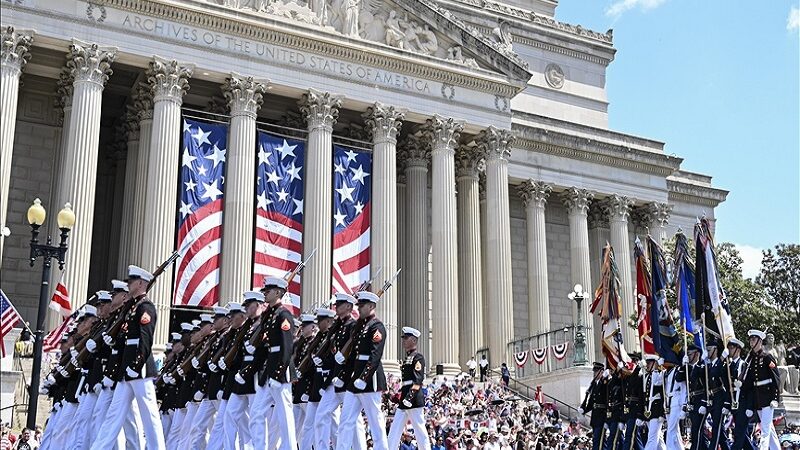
column 560, row 350
column 539, row 355
column 521, row 358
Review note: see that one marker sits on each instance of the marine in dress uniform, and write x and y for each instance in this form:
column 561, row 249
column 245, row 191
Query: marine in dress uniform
column 697, row 404
column 193, row 380
column 615, row 412
column 182, row 392
column 595, row 402
column 325, row 319
column 676, row 388
column 301, row 388
column 654, row 402
column 634, row 406
column 167, row 393
column 56, row 391
column 720, row 397
column 237, row 418
column 412, row 400
column 367, row 380
column 762, row 382
column 273, row 385
column 740, row 401
column 134, row 379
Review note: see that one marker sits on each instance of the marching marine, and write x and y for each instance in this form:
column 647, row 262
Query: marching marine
column 654, row 402
column 412, row 399
column 634, row 406
column 595, row 402
column 761, row 382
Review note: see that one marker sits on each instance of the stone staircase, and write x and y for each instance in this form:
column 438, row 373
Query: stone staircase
column 25, row 365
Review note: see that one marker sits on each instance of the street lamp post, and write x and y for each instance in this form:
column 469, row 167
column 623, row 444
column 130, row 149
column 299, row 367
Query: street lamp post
column 36, row 216
column 580, row 336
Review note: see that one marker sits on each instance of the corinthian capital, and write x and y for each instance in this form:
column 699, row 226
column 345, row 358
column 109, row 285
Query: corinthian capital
column 577, row 200
column 169, row 80
column 443, row 132
column 321, row 109
column 244, row 94
column 660, row 213
column 496, row 143
column 618, row 207
column 534, row 193
column 415, row 150
column 383, row 122
column 90, row 62
column 143, row 102
column 16, row 48
column 469, row 161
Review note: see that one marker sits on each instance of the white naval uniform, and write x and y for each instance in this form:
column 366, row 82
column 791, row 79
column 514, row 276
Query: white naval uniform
column 236, row 422
column 370, row 402
column 144, row 392
column 678, row 399
column 327, row 420
column 417, row 418
column 279, row 395
column 203, row 421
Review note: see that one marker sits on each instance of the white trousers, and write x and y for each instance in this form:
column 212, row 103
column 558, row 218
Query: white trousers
column 326, row 420
column 129, row 437
column 83, row 417
column 166, row 422
column 674, row 439
column 370, row 402
column 203, row 421
column 307, row 434
column 173, row 435
column 282, row 417
column 61, row 439
column 769, row 438
column 217, row 437
column 50, row 428
column 144, row 392
column 299, row 411
column 185, row 436
column 237, row 421
column 654, row 439
column 417, row 418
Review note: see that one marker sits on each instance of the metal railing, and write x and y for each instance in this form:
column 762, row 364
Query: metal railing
column 544, row 341
column 528, row 392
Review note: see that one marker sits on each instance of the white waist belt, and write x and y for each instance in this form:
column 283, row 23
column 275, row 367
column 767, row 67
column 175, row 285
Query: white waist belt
column 764, row 382
column 363, row 357
column 248, row 358
column 275, row 349
column 408, row 383
column 132, row 341
column 114, row 351
column 656, row 397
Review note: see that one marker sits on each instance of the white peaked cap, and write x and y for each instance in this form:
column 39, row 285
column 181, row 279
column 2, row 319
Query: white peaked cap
column 234, row 307
column 175, row 336
column 220, row 311
column 89, row 310
column 342, row 297
column 275, row 281
column 253, row 296
column 206, row 318
column 757, row 333
column 103, row 296
column 411, row 332
column 137, row 272
column 308, row 318
column 187, row 326
column 325, row 312
column 367, row 296
column 649, row 357
column 119, row 285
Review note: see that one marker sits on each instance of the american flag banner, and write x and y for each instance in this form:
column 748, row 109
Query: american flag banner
column 352, row 193
column 202, row 178
column 279, row 208
column 9, row 317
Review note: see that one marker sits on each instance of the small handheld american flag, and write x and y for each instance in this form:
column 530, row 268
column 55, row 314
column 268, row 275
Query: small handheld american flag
column 9, row 317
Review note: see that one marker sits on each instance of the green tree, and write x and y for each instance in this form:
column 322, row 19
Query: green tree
column 780, row 280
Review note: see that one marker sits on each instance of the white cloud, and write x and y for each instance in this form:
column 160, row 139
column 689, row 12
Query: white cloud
column 619, row 7
column 751, row 257
column 793, row 21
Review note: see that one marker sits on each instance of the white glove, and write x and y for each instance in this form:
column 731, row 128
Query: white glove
column 73, row 352
column 43, row 390
column 360, row 384
column 304, row 398
column 725, row 353
column 337, row 382
column 131, row 373
column 273, row 383
column 605, row 425
column 239, row 378
column 169, row 380
column 249, row 348
column 639, row 422
column 339, row 357
column 198, row 396
column 50, row 379
column 195, row 363
column 317, row 360
column 748, row 413
column 222, row 364
column 212, row 367
column 407, row 403
column 773, row 404
column 660, row 361
column 725, row 411
column 580, row 411
column 683, row 414
column 91, row 345
column 620, row 365
column 98, row 388
column 74, row 362
column 701, row 410
column 737, row 384
column 685, row 360
column 321, row 391
column 107, row 339
column 704, row 355
column 180, row 371
column 606, row 373
column 107, row 382
column 63, row 372
column 641, row 364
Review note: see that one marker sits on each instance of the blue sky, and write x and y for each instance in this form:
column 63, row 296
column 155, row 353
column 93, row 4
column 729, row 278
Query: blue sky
column 717, row 81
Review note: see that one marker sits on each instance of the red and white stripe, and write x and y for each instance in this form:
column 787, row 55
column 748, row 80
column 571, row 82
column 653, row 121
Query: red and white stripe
column 60, row 302
column 200, row 244
column 351, row 254
column 279, row 248
column 53, row 339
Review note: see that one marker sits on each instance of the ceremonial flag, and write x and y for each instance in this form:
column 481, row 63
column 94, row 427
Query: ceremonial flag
column 711, row 298
column 644, row 298
column 60, row 302
column 199, row 221
column 607, row 304
column 53, row 339
column 9, row 317
column 663, row 332
column 684, row 286
column 352, row 186
column 279, row 207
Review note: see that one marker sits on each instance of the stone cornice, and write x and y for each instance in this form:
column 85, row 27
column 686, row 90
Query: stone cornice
column 573, row 147
column 270, row 30
column 687, row 192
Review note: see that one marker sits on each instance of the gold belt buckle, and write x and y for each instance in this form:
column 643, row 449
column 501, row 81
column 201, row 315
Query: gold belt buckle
column 735, row 405
column 626, row 410
column 647, row 414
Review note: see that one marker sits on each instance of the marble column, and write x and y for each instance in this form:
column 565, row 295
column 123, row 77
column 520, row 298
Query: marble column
column 444, row 134
column 15, row 53
column 659, row 212
column 383, row 123
column 487, row 326
column 534, row 194
column 321, row 109
column 244, row 95
column 618, row 208
column 470, row 275
column 91, row 66
column 128, row 196
column 402, row 231
column 496, row 144
column 143, row 106
column 577, row 203
column 416, row 152
column 169, row 81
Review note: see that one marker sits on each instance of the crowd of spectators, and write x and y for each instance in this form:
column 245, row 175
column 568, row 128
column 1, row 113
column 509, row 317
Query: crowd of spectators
column 25, row 440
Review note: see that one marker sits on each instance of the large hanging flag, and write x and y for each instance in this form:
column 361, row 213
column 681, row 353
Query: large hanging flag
column 352, row 186
column 607, row 305
column 202, row 177
column 279, row 207
column 711, row 298
column 644, row 298
column 684, row 287
column 9, row 317
column 60, row 302
column 663, row 332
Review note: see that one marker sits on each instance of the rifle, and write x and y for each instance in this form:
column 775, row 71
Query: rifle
column 236, row 343
column 347, row 348
column 185, row 368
